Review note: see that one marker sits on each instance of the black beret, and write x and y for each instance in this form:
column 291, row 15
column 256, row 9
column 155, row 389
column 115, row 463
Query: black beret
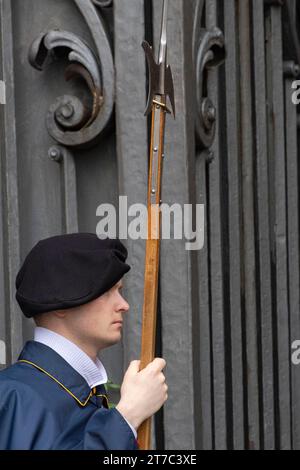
column 69, row 270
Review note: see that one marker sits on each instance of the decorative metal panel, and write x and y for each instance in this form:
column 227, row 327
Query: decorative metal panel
column 73, row 136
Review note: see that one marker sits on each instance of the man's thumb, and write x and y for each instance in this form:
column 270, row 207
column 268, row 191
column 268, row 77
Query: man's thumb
column 134, row 367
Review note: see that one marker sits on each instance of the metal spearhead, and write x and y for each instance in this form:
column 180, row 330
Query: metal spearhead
column 161, row 80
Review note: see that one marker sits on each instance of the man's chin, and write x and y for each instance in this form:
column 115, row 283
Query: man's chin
column 111, row 341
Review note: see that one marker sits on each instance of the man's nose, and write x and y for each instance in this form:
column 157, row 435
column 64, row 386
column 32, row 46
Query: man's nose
column 124, row 305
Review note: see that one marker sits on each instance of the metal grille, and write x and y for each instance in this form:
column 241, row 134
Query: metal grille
column 228, row 314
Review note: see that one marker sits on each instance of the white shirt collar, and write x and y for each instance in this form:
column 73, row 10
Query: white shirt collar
column 93, row 372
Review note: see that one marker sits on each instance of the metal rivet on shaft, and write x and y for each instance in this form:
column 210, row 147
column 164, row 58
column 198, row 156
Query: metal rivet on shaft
column 55, row 154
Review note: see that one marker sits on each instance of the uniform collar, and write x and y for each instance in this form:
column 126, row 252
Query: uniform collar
column 52, row 364
column 93, row 372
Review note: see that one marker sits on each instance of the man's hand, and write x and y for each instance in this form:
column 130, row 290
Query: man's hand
column 142, row 392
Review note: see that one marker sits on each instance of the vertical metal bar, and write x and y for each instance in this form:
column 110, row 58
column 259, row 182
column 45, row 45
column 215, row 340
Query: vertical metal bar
column 234, row 222
column 279, row 220
column 248, row 225
column 9, row 175
column 263, row 227
column 293, row 249
column 70, row 192
column 3, row 313
column 216, row 261
column 69, row 187
column 205, row 403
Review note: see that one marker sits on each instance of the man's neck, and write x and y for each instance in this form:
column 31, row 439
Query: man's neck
column 88, row 349
column 89, row 367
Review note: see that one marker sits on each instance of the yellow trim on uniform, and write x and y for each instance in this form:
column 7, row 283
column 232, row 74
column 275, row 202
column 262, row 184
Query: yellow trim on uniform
column 59, row 383
column 106, row 399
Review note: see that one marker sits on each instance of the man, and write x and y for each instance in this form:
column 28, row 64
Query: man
column 53, row 397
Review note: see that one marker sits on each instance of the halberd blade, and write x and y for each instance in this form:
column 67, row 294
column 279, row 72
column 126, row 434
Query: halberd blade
column 153, row 75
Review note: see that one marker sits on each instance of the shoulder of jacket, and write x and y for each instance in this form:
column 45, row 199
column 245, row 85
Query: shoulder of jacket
column 13, row 387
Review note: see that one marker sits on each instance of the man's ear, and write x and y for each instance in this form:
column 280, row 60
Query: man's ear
column 60, row 313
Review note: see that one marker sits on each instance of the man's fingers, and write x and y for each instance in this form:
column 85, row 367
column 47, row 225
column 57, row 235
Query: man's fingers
column 160, row 362
column 157, row 364
column 162, row 377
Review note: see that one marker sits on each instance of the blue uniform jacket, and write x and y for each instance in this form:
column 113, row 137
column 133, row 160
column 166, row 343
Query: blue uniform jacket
column 46, row 404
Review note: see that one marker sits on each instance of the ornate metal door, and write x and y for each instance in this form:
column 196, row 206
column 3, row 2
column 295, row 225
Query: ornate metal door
column 74, row 136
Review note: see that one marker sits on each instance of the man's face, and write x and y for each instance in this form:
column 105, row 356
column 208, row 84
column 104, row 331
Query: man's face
column 99, row 322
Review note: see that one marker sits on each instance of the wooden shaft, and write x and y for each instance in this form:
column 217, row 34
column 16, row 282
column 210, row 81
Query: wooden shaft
column 152, row 257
